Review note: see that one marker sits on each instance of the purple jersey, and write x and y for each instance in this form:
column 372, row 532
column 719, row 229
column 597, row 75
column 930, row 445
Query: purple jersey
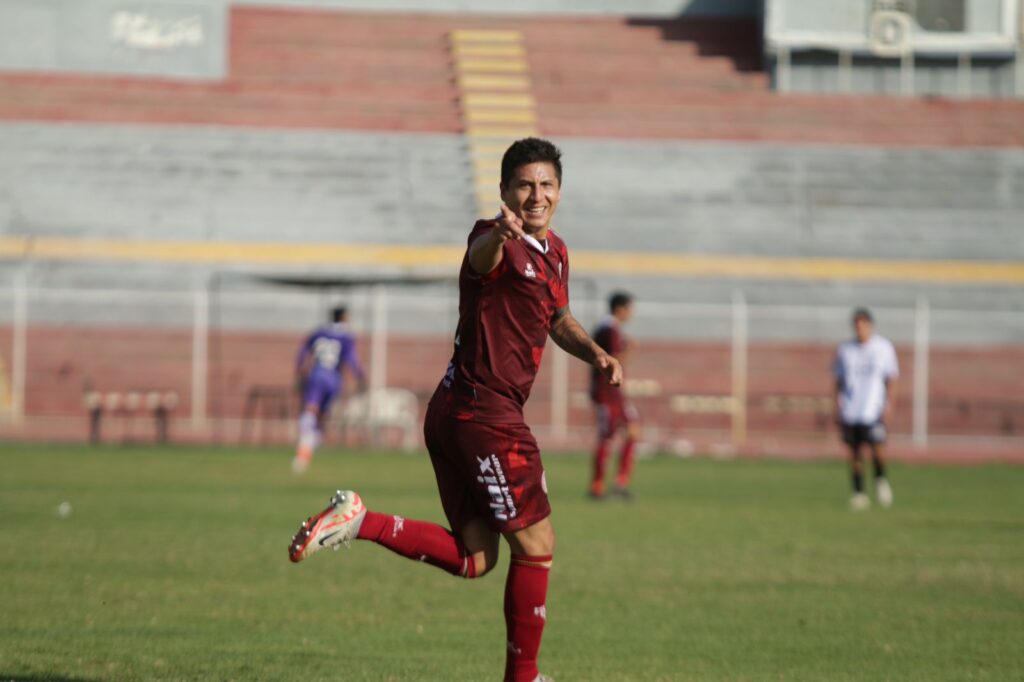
column 327, row 350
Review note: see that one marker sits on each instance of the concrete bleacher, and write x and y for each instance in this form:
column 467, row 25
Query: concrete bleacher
column 598, row 76
column 198, row 183
column 341, row 127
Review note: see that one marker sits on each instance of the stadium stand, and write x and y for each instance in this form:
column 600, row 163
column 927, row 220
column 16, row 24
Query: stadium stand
column 343, row 129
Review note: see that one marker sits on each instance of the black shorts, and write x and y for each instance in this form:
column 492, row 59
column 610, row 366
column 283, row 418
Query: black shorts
column 873, row 434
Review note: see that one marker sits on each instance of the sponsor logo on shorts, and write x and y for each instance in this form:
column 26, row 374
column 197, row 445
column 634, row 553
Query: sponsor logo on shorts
column 541, row 611
column 493, row 476
column 398, row 526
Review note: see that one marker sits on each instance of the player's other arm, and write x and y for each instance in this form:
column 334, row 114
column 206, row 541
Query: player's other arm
column 619, row 347
column 485, row 252
column 837, row 388
column 571, row 337
column 350, row 360
column 890, row 399
column 837, row 410
column 891, row 385
column 303, row 361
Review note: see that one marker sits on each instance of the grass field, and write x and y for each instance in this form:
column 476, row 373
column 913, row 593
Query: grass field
column 172, row 566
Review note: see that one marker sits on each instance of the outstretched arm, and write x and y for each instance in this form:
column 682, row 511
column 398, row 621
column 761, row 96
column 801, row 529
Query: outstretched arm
column 573, row 339
column 485, row 253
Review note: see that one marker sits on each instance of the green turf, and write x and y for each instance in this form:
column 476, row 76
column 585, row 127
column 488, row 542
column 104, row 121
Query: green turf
column 172, row 566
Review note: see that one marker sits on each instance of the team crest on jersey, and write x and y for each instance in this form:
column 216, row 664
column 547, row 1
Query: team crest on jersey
column 529, row 271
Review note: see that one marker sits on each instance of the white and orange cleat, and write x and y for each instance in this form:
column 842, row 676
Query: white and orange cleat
column 303, row 456
column 336, row 525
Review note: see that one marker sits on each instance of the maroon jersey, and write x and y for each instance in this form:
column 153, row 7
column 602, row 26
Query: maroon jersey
column 609, row 338
column 504, row 318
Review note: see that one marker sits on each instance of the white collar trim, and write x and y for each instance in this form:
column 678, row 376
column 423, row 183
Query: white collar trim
column 532, row 241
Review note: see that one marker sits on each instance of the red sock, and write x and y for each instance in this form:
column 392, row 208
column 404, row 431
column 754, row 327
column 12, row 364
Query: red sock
column 600, row 460
column 419, row 540
column 526, row 591
column 626, row 463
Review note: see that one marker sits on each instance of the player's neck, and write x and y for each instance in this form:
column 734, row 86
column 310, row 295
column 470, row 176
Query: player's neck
column 540, row 235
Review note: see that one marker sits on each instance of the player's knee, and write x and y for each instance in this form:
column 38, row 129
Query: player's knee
column 536, row 540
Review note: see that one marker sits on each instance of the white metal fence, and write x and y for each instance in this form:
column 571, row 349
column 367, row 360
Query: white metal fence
column 214, row 344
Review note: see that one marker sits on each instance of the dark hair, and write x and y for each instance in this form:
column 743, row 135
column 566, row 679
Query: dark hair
column 526, row 151
column 862, row 314
column 338, row 313
column 618, row 300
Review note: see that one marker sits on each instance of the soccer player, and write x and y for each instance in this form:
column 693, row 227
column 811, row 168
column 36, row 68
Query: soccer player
column 322, row 357
column 614, row 411
column 865, row 372
column 513, row 294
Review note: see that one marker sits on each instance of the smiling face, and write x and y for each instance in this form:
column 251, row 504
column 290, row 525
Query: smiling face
column 533, row 193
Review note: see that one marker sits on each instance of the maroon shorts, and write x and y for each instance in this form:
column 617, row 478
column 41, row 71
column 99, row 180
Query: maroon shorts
column 613, row 413
column 486, row 471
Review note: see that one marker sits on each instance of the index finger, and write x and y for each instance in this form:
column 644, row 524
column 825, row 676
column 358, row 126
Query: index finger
column 512, row 221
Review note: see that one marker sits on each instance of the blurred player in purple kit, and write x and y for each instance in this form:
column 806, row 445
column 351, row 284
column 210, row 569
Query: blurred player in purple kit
column 318, row 369
column 614, row 411
column 513, row 296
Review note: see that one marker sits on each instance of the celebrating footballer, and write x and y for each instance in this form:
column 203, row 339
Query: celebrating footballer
column 513, row 294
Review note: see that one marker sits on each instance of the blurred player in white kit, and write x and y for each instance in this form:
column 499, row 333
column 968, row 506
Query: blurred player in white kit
column 865, row 372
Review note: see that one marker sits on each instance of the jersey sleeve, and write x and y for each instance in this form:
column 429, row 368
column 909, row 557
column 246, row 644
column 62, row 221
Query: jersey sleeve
column 616, row 343
column 838, row 369
column 481, row 228
column 562, row 293
column 305, row 349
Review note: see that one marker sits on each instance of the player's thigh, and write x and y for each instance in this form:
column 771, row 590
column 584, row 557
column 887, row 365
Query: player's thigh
column 609, row 418
column 509, row 477
column 851, row 435
column 449, row 471
column 482, row 544
column 319, row 391
column 503, row 472
column 326, row 401
column 631, row 417
column 876, row 434
column 534, row 540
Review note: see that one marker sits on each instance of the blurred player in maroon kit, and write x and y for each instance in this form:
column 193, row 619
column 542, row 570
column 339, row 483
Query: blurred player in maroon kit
column 614, row 411
column 513, row 294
